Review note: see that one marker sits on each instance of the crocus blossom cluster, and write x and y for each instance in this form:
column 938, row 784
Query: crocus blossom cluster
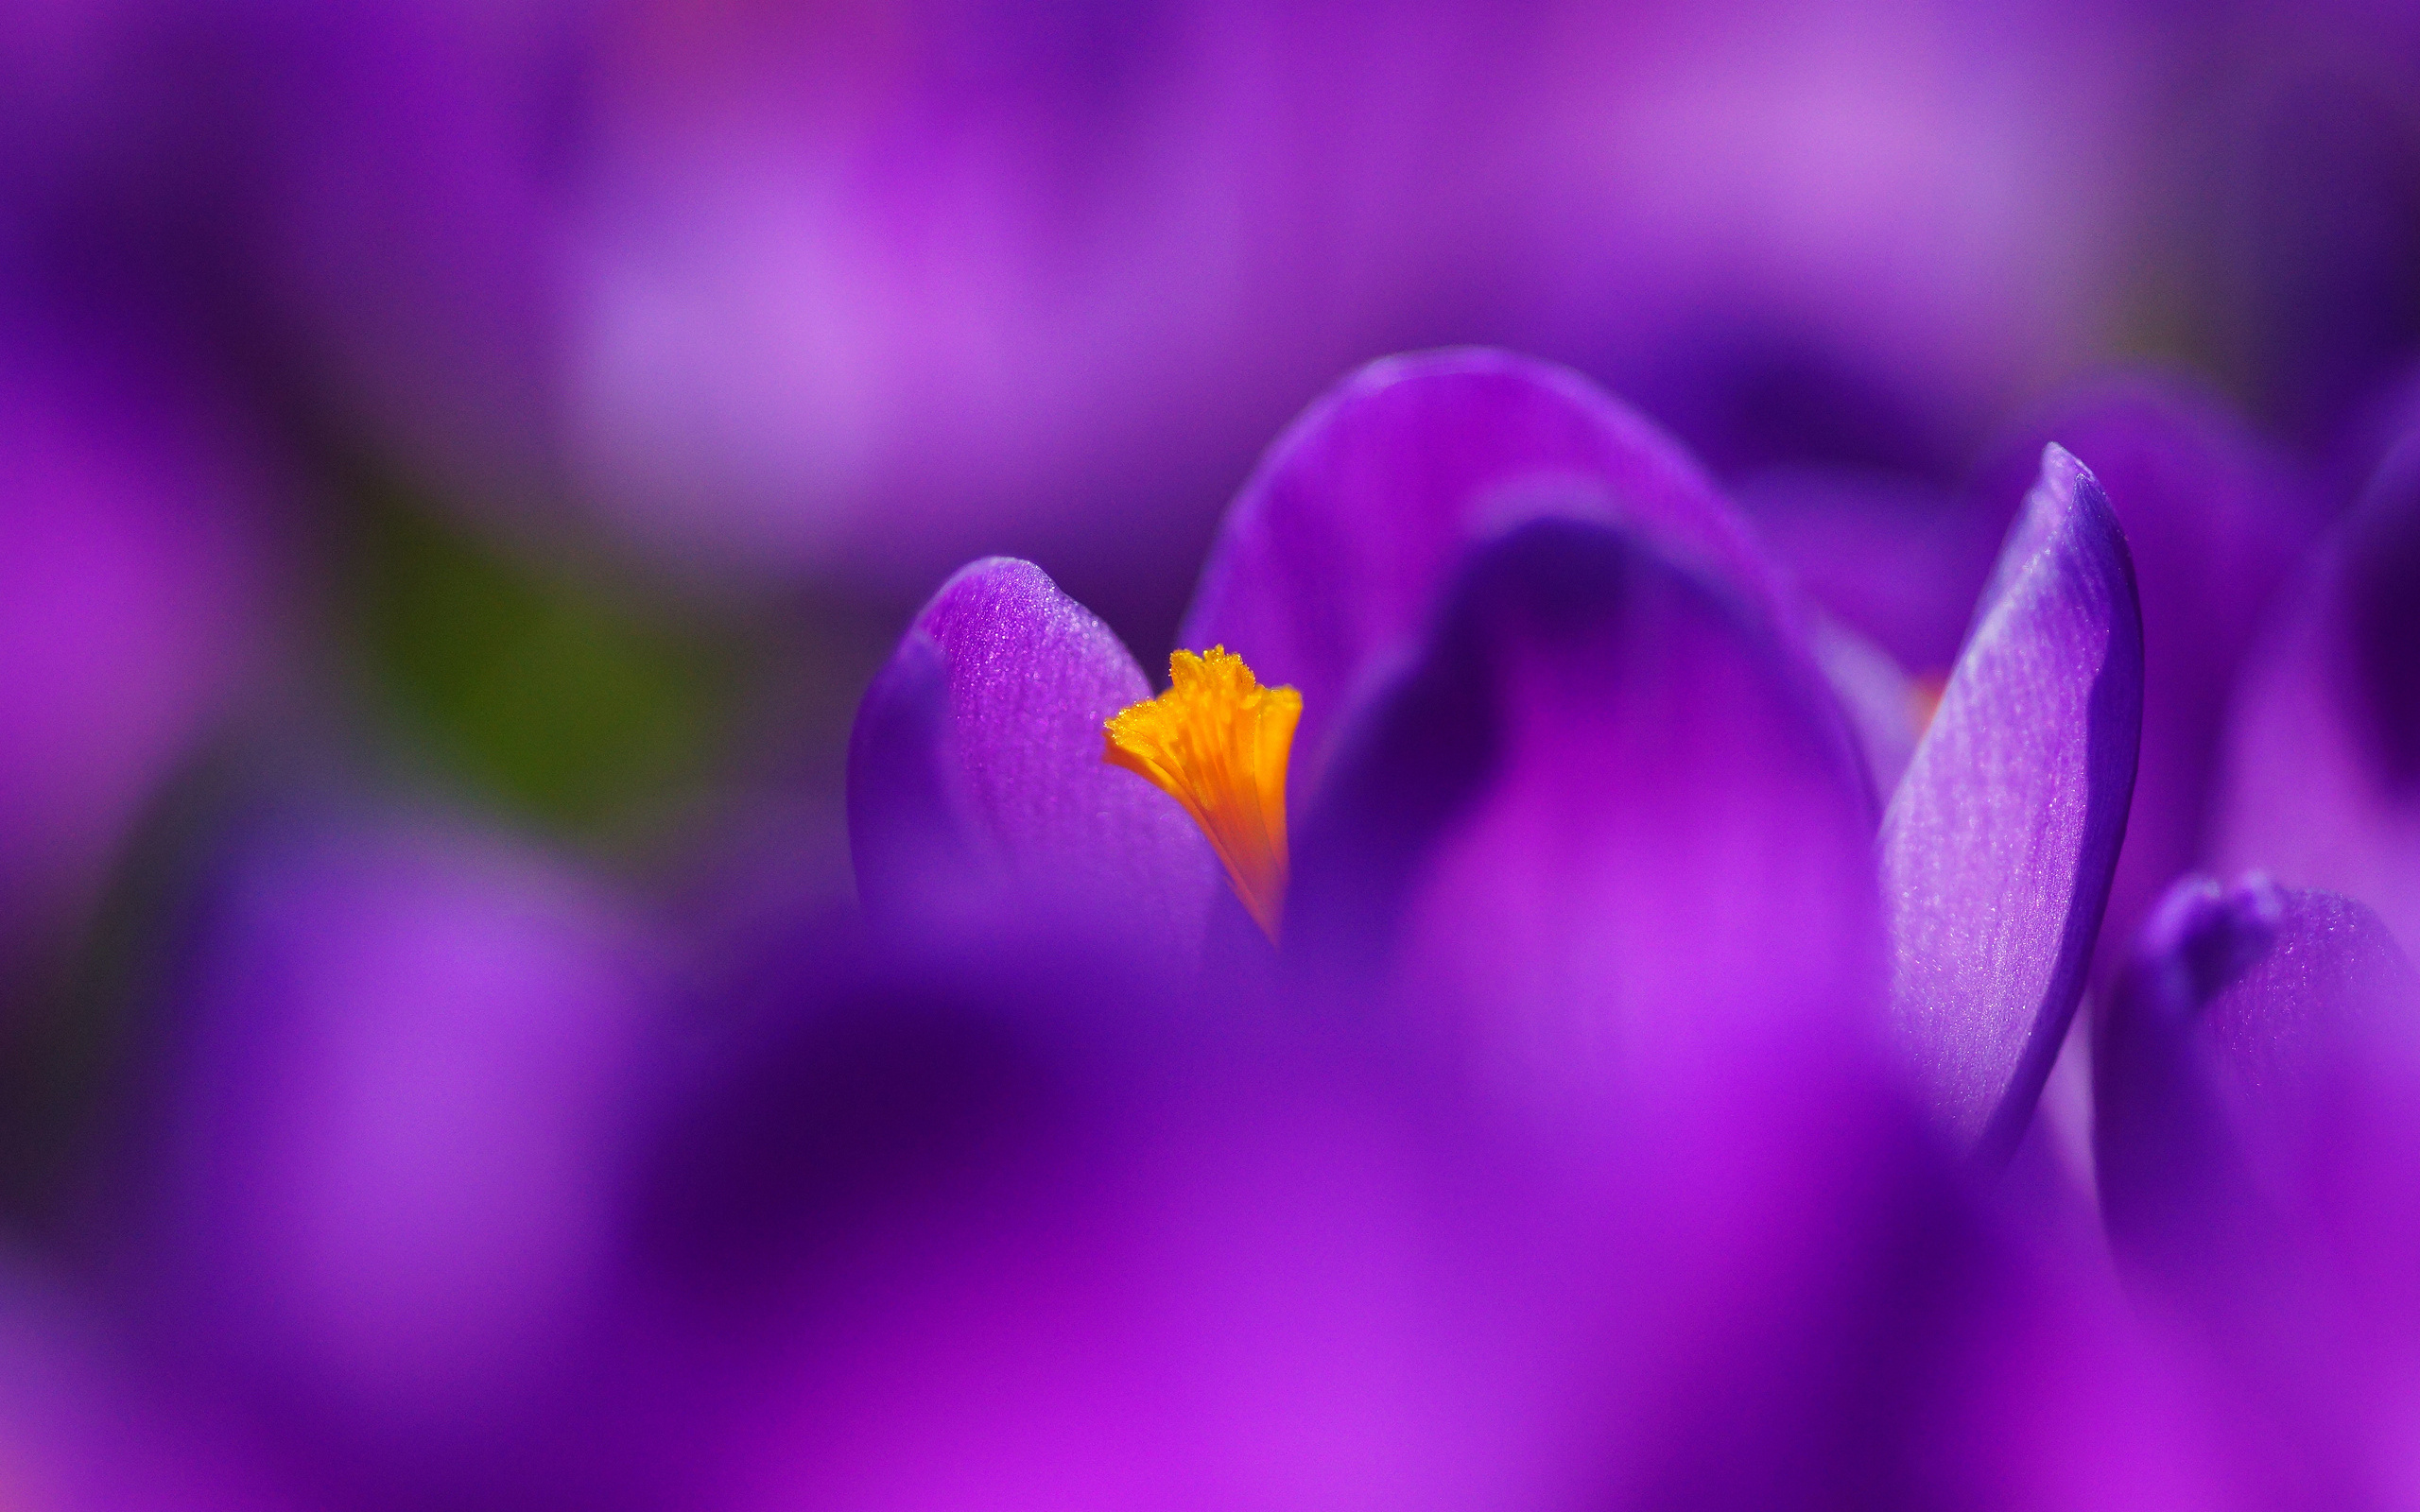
column 1643, row 1064
column 1605, row 843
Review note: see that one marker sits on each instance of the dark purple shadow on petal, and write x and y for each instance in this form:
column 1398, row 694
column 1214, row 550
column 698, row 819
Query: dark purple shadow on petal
column 2382, row 612
column 2169, row 1171
column 1596, row 821
column 2320, row 779
column 1336, row 551
column 913, row 838
column 1999, row 848
column 978, row 795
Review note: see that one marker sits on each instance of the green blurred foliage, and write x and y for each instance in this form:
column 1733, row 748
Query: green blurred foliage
column 585, row 705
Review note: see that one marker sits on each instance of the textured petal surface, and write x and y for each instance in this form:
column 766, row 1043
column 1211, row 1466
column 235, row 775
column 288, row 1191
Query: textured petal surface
column 977, row 790
column 1999, row 847
column 2322, row 780
column 1336, row 551
column 1595, row 825
column 2215, row 521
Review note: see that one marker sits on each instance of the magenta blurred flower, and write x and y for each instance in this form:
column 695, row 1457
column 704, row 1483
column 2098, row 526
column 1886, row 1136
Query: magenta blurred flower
column 1012, row 1233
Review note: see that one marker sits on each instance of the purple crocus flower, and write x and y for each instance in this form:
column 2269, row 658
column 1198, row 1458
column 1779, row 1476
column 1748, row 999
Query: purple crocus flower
column 1562, row 742
column 2215, row 519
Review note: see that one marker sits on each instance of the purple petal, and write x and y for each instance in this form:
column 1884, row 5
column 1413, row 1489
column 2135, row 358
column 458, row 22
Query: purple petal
column 1339, row 546
column 976, row 788
column 384, row 1171
column 88, row 1431
column 996, row 1239
column 2255, row 1079
column 1886, row 709
column 132, row 571
column 2322, row 780
column 1998, row 847
column 1597, row 819
column 2214, row 522
column 2167, row 1167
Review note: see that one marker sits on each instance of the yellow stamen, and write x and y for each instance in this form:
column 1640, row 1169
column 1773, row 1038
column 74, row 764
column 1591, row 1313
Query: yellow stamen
column 1217, row 741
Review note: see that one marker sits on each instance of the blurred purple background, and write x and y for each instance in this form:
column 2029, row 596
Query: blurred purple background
column 460, row 464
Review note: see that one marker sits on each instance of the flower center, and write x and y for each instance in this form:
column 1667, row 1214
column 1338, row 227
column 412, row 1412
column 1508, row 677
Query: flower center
column 1217, row 741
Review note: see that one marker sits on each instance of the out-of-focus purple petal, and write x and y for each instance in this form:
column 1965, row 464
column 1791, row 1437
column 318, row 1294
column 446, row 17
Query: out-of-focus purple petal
column 976, row 775
column 1998, row 847
column 2215, row 519
column 397, row 1057
column 1885, row 707
column 2321, row 782
column 1000, row 1240
column 2220, row 1066
column 1821, row 1313
column 132, row 575
column 2169, row 1172
column 84, row 1430
column 1334, row 553
column 1017, row 1244
column 1595, row 821
column 2256, row 1078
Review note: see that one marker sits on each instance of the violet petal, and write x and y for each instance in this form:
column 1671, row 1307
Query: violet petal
column 1999, row 847
column 1595, row 821
column 976, row 775
column 2256, row 1078
column 2215, row 521
column 1340, row 545
column 382, row 1164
